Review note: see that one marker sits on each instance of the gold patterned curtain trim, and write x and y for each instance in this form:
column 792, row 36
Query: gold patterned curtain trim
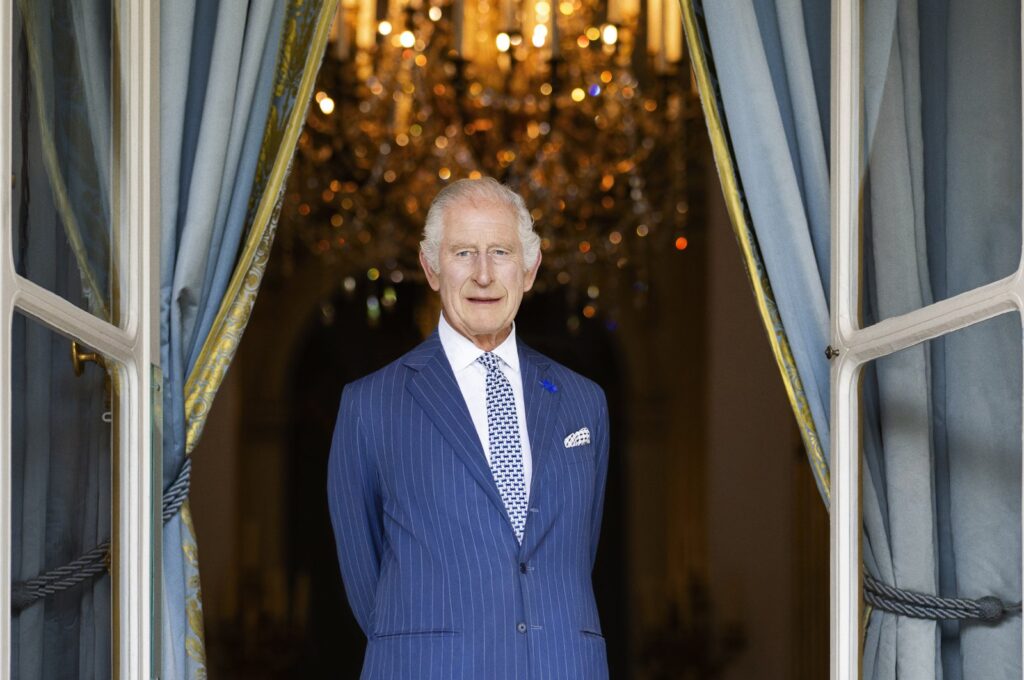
column 226, row 332
column 97, row 300
column 751, row 257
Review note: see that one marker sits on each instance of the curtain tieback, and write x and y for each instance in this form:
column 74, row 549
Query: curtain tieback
column 97, row 560
column 988, row 609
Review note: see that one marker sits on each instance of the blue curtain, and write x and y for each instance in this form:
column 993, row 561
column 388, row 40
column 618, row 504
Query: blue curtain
column 941, row 212
column 236, row 80
column 217, row 65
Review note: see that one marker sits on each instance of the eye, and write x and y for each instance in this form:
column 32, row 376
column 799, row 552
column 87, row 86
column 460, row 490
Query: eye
column 501, row 252
column 463, row 253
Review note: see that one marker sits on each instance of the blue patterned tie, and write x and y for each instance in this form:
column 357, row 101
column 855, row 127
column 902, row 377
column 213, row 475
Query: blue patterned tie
column 504, row 442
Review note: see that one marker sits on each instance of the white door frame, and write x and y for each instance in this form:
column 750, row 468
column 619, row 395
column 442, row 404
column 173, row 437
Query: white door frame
column 857, row 345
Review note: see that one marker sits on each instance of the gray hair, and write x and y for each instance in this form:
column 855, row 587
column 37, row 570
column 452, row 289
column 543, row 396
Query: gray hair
column 478, row 192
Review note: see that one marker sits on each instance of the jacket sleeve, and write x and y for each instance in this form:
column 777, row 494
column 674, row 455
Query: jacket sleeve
column 601, row 480
column 353, row 495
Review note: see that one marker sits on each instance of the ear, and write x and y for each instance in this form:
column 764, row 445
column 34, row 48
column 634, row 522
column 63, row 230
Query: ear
column 432, row 278
column 531, row 275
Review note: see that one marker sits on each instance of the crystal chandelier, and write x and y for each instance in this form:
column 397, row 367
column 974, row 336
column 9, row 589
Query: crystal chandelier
column 586, row 109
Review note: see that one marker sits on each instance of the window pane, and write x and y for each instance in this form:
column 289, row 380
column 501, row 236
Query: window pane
column 64, row 105
column 942, row 129
column 941, row 493
column 61, row 453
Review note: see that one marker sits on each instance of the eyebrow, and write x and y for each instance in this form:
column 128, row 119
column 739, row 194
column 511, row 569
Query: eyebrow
column 469, row 246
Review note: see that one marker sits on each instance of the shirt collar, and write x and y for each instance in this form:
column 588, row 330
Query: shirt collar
column 461, row 351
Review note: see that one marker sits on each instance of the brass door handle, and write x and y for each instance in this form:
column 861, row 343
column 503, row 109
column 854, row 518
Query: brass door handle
column 79, row 358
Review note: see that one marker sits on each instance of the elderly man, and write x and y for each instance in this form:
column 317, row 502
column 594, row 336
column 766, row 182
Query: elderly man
column 466, row 479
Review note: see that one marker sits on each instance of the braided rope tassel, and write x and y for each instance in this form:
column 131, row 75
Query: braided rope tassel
column 97, row 561
column 988, row 609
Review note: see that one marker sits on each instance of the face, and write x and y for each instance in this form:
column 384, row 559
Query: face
column 482, row 278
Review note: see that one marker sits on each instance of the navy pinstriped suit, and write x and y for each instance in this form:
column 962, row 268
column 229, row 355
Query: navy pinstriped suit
column 431, row 565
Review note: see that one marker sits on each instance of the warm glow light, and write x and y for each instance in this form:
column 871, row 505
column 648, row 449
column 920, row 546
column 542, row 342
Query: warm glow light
column 384, row 27
column 606, row 77
column 593, row 33
column 434, row 13
column 681, row 243
column 373, row 274
column 542, row 7
column 583, row 41
column 609, row 34
column 578, row 94
column 565, row 8
column 327, row 105
column 545, row 89
column 593, row 292
column 421, row 60
column 444, row 173
column 475, row 174
column 407, row 39
column 642, row 230
column 540, row 34
column 615, row 238
column 320, row 95
column 589, row 311
column 503, row 42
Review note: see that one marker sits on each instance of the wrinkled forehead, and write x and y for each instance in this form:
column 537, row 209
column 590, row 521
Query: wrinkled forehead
column 475, row 220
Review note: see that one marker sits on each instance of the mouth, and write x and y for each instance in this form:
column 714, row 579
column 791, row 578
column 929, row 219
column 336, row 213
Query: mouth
column 483, row 300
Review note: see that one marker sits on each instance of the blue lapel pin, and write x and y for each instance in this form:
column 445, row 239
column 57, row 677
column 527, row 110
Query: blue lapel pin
column 549, row 386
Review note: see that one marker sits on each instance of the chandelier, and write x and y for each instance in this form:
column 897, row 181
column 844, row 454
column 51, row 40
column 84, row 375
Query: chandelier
column 587, row 109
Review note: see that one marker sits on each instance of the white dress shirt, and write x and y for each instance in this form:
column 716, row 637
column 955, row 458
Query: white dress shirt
column 472, row 379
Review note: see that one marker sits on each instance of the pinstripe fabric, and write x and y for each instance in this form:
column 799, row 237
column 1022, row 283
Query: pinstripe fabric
column 431, row 565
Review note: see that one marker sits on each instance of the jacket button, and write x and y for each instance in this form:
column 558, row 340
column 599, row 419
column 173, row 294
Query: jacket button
column 522, row 567
column 521, row 627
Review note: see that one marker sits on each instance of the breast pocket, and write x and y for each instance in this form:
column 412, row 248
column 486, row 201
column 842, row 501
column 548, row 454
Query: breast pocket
column 574, row 455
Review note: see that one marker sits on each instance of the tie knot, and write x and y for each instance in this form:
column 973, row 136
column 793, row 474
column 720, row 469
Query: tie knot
column 490, row 360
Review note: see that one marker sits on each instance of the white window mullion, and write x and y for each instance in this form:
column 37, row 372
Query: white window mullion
column 63, row 316
column 942, row 317
column 844, row 552
column 137, row 503
column 7, row 279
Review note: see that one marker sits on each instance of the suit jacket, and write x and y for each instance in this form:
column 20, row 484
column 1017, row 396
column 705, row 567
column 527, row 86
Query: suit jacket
column 432, row 568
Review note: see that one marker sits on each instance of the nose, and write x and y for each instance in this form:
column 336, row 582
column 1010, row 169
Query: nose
column 482, row 272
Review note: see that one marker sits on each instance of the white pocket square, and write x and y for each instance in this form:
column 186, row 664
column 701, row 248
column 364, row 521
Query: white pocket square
column 578, row 438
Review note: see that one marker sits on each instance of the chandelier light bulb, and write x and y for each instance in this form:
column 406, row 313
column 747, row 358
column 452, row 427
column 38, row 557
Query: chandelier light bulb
column 540, row 34
column 609, row 34
column 434, row 13
column 407, row 39
column 326, row 105
column 385, row 27
column 503, row 42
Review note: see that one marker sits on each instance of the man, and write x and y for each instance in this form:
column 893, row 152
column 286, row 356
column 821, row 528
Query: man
column 466, row 480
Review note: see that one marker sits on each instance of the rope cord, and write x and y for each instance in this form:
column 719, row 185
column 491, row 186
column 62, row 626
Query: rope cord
column 987, row 609
column 97, row 561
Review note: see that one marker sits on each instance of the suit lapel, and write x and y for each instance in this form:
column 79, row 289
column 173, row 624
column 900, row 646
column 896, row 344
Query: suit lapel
column 438, row 394
column 541, row 397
